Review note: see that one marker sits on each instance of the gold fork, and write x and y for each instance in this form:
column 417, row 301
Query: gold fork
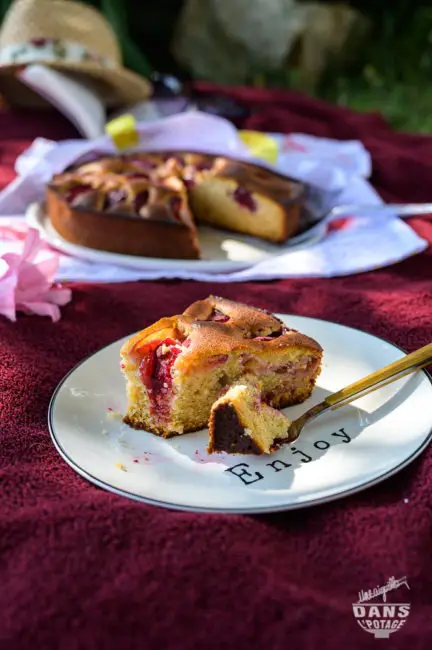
column 394, row 371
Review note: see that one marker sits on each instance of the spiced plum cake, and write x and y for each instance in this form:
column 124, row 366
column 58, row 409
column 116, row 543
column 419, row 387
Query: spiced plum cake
column 177, row 368
column 150, row 204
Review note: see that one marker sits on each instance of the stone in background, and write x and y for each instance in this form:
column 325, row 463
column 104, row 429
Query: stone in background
column 234, row 41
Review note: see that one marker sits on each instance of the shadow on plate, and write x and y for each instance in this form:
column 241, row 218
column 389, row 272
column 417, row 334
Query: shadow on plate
column 276, row 471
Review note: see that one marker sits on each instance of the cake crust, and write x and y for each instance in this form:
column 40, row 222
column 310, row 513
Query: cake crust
column 121, row 233
column 245, row 329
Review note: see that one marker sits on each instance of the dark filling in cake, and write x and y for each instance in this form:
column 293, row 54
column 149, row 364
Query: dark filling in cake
column 228, row 433
column 141, row 200
column 203, row 166
column 277, row 444
column 114, row 197
column 155, row 371
column 135, row 175
column 175, row 203
column 218, row 316
column 271, row 336
column 81, row 196
column 189, row 183
column 244, row 198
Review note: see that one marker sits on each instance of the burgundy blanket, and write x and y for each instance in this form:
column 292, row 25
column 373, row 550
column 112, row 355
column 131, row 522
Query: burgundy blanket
column 82, row 568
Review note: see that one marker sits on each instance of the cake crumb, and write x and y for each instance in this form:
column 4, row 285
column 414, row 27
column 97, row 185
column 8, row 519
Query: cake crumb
column 406, row 500
column 121, row 466
column 136, row 460
column 114, row 415
column 104, row 432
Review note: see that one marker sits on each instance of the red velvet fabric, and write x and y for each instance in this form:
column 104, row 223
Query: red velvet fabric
column 83, row 569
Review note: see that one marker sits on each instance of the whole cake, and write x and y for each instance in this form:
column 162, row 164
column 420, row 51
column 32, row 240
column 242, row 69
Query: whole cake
column 179, row 366
column 241, row 423
column 150, row 204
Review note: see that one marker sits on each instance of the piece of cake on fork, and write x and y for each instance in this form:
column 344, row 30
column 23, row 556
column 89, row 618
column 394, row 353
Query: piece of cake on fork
column 179, row 366
column 241, row 423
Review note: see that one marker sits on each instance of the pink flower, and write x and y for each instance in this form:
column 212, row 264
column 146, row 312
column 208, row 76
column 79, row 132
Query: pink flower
column 26, row 285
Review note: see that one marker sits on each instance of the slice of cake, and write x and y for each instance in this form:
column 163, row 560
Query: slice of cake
column 177, row 368
column 241, row 423
column 248, row 199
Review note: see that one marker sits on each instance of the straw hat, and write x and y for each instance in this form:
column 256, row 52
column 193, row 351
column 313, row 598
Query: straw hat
column 70, row 37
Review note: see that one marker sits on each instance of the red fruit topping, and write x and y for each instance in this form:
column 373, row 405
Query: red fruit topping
column 148, row 360
column 272, row 335
column 189, row 183
column 218, row 317
column 218, row 360
column 165, row 359
column 156, row 372
column 245, row 198
column 113, row 197
column 175, row 203
column 78, row 191
column 147, row 165
column 169, row 341
column 137, row 175
column 141, row 200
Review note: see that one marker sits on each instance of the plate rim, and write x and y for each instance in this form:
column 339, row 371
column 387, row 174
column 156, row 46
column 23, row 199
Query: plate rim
column 234, row 511
column 35, row 215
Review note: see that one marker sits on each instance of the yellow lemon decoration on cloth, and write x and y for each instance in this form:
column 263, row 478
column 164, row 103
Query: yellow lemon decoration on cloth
column 123, row 131
column 260, row 145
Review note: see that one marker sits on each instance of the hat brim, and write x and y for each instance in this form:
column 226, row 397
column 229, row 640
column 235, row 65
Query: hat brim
column 119, row 85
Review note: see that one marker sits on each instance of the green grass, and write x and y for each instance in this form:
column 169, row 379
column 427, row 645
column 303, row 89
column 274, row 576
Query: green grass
column 391, row 73
column 406, row 105
column 394, row 72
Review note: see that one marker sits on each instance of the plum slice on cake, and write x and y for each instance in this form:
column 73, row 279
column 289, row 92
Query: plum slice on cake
column 241, row 423
column 178, row 367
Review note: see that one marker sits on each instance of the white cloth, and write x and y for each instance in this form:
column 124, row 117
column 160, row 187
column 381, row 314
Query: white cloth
column 337, row 170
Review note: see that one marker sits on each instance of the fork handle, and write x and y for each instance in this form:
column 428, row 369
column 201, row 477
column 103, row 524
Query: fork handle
column 382, row 377
column 400, row 209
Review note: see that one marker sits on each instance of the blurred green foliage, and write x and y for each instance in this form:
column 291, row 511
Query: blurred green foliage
column 392, row 72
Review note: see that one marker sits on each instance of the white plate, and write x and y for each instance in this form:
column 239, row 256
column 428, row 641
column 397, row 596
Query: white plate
column 337, row 455
column 222, row 251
